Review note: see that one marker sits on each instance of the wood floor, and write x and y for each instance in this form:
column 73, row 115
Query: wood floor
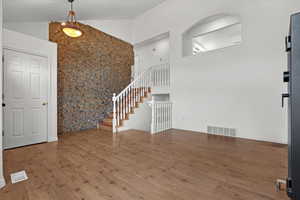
column 176, row 165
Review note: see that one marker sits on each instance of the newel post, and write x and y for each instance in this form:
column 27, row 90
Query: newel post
column 114, row 114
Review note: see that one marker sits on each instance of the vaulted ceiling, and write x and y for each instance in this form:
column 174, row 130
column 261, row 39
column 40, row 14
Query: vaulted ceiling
column 49, row 10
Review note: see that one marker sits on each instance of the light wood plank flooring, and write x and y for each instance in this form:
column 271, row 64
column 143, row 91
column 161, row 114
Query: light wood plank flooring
column 176, row 165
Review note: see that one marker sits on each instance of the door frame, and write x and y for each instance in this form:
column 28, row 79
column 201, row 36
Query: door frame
column 44, row 49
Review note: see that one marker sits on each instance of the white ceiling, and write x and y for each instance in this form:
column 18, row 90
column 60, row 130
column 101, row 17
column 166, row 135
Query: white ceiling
column 50, row 10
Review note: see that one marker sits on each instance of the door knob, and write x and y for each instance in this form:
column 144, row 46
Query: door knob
column 45, row 103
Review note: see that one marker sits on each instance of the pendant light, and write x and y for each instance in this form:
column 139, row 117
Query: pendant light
column 71, row 27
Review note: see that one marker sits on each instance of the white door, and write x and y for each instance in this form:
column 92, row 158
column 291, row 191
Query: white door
column 25, row 98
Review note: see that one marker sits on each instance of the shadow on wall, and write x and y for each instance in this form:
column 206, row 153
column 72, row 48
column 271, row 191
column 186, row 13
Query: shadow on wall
column 90, row 69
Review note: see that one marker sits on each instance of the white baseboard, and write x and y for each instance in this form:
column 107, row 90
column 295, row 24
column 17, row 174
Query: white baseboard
column 53, row 139
column 2, row 182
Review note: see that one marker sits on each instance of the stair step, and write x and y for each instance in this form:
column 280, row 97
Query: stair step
column 107, row 122
column 106, row 128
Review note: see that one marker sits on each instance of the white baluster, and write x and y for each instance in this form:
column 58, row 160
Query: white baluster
column 132, row 91
column 118, row 112
column 143, row 90
column 121, row 107
column 130, row 100
column 156, row 119
column 160, row 116
column 136, row 92
column 145, row 79
column 124, row 106
column 142, row 84
column 140, row 92
column 169, row 117
column 165, row 117
column 114, row 114
column 126, row 102
column 153, row 118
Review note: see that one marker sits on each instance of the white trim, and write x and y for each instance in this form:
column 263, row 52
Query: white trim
column 2, row 182
column 45, row 49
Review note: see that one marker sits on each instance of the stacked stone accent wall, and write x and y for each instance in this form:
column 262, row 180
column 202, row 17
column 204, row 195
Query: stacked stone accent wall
column 90, row 69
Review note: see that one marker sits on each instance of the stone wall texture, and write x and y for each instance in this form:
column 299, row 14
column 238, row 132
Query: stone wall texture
column 90, row 69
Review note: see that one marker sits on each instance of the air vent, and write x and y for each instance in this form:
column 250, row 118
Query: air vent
column 18, row 177
column 214, row 130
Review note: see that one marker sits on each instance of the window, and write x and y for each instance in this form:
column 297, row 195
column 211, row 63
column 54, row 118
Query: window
column 212, row 33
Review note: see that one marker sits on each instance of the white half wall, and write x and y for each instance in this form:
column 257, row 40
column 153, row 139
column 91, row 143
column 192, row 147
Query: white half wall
column 238, row 87
column 121, row 29
column 2, row 181
column 28, row 44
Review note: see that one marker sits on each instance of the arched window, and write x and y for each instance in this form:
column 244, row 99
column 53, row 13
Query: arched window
column 215, row 32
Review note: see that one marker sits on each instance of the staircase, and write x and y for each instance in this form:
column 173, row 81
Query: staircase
column 107, row 123
column 129, row 99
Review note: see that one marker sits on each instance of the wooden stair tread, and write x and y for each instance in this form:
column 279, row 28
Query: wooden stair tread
column 107, row 128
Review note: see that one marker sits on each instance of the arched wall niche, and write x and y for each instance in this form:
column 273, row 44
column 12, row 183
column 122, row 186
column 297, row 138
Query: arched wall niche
column 212, row 33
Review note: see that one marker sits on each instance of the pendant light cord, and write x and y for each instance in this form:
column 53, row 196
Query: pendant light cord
column 71, row 1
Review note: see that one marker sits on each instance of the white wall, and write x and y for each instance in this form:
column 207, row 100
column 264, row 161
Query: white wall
column 2, row 181
column 150, row 53
column 238, row 87
column 36, row 29
column 121, row 29
column 21, row 42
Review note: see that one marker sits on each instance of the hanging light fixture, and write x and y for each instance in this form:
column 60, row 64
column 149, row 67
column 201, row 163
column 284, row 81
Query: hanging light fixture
column 71, row 27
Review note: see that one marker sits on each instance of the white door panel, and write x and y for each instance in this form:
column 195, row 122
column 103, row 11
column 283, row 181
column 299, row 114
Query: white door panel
column 26, row 96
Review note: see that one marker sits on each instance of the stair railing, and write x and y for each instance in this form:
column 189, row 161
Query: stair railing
column 160, row 75
column 123, row 103
column 161, row 116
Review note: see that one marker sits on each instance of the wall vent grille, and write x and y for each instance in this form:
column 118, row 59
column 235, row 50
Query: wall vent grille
column 214, row 130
